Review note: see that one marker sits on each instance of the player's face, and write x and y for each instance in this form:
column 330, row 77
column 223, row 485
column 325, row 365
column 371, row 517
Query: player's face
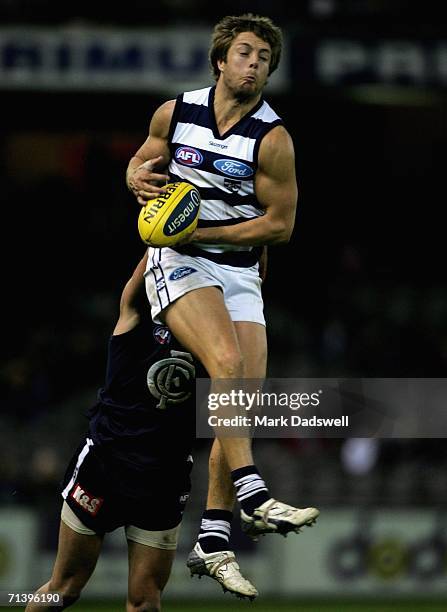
column 245, row 70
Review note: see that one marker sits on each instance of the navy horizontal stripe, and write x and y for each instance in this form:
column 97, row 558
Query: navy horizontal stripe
column 223, row 222
column 209, row 157
column 237, row 259
column 200, row 115
column 213, row 193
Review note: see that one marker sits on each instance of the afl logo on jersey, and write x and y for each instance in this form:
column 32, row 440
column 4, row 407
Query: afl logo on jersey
column 162, row 334
column 187, row 156
column 233, row 168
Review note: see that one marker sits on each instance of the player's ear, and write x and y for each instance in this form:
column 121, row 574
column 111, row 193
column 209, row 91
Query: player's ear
column 221, row 64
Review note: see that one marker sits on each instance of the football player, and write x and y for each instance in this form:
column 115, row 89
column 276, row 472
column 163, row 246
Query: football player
column 231, row 145
column 132, row 469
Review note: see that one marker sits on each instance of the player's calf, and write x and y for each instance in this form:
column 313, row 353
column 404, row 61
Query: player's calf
column 67, row 592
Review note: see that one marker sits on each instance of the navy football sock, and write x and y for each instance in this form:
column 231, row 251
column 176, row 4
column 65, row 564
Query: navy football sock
column 215, row 530
column 251, row 490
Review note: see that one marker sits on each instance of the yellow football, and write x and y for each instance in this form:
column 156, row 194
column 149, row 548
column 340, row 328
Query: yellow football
column 171, row 217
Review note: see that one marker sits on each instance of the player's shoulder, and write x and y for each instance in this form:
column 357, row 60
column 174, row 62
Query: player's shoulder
column 197, row 96
column 165, row 110
column 161, row 119
column 276, row 150
column 278, row 136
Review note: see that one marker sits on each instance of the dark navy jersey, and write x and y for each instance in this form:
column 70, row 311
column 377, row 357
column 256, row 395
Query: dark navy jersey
column 144, row 420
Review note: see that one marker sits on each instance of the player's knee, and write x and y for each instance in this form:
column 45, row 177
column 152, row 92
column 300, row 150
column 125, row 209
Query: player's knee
column 147, row 602
column 229, row 364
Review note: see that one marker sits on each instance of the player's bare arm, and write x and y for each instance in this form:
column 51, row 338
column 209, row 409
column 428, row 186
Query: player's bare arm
column 130, row 303
column 146, row 168
column 277, row 192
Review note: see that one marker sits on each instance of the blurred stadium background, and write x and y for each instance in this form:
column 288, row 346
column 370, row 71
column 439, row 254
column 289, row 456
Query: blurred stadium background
column 359, row 291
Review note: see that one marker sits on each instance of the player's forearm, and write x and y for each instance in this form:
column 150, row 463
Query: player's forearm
column 256, row 232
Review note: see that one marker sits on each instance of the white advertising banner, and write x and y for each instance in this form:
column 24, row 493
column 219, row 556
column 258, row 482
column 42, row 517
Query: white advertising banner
column 380, row 553
column 18, row 548
column 166, row 61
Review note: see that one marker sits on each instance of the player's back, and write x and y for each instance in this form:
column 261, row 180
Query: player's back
column 144, row 419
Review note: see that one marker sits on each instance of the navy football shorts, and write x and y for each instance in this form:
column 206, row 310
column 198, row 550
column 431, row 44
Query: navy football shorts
column 93, row 487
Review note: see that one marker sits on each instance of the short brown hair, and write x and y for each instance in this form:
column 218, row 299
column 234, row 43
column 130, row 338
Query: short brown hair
column 229, row 27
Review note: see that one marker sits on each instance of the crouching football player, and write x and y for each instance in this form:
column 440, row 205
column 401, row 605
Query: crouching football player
column 132, row 470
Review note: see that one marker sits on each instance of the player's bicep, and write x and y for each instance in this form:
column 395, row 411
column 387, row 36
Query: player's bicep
column 156, row 143
column 276, row 187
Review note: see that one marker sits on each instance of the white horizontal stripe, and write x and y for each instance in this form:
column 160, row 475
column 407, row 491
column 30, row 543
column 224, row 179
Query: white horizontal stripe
column 237, row 146
column 210, row 524
column 250, row 486
column 212, row 533
column 198, row 96
column 266, row 114
column 218, row 209
column 247, row 478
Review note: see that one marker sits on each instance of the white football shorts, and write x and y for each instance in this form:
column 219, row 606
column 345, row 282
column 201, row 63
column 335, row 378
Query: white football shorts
column 169, row 275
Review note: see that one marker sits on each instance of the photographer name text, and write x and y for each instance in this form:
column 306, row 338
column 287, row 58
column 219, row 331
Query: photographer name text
column 281, row 421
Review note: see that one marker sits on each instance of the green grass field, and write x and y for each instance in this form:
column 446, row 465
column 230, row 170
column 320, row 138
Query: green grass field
column 232, row 605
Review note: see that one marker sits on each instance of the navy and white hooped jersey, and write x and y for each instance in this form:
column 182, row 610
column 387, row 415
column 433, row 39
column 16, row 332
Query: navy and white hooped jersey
column 222, row 167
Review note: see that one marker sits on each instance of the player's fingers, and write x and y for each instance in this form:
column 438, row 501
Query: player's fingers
column 150, row 184
column 154, row 193
column 151, row 163
column 159, row 177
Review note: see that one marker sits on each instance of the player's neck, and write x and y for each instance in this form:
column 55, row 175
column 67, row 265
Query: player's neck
column 228, row 109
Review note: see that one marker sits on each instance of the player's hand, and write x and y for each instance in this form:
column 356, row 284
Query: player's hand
column 146, row 184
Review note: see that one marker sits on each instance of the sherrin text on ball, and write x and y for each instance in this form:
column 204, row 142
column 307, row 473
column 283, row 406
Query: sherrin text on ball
column 171, row 217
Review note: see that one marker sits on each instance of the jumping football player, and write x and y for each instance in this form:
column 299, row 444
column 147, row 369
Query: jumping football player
column 230, row 144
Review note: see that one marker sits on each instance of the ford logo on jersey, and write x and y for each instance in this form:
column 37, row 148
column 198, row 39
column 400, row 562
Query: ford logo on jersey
column 188, row 156
column 233, row 168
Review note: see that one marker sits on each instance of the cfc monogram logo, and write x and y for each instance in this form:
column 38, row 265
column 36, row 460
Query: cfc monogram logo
column 169, row 380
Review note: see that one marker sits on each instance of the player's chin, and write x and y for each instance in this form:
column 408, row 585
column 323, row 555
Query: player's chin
column 254, row 86
column 249, row 85
column 248, row 90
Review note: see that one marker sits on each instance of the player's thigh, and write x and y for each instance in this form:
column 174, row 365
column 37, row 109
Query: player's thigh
column 201, row 323
column 149, row 569
column 252, row 339
column 76, row 558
